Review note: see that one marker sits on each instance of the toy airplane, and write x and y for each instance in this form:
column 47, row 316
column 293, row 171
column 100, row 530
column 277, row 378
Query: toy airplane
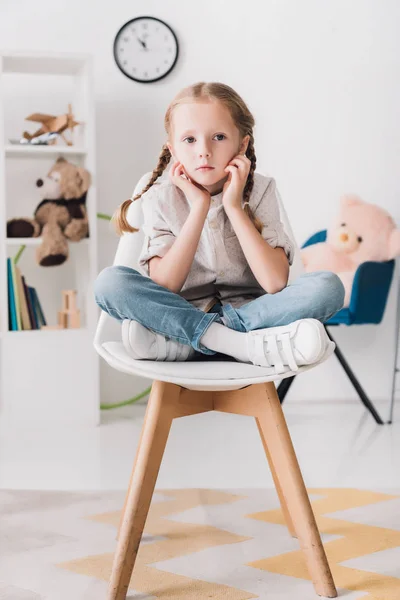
column 41, row 140
column 52, row 124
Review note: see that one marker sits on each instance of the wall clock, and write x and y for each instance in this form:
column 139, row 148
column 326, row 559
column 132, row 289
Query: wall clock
column 146, row 49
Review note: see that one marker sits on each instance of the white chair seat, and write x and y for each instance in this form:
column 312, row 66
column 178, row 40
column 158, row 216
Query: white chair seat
column 215, row 374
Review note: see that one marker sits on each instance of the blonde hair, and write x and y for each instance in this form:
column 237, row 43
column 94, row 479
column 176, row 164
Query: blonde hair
column 243, row 120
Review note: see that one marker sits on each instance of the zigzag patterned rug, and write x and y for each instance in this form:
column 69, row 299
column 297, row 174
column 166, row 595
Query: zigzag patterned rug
column 197, row 544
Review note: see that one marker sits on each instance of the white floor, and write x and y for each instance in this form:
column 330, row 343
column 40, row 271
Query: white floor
column 337, row 444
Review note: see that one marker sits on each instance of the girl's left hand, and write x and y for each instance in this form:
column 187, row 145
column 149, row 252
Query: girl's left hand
column 238, row 169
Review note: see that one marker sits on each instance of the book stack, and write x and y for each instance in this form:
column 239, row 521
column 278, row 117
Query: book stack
column 24, row 308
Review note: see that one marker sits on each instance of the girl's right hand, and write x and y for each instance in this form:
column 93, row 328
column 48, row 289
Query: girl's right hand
column 191, row 188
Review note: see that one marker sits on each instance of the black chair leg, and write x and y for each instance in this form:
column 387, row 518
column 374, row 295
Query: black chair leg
column 363, row 396
column 285, row 384
column 283, row 388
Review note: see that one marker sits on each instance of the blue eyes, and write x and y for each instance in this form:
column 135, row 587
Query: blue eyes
column 220, row 135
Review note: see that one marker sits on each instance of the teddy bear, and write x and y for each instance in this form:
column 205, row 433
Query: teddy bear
column 60, row 216
column 361, row 232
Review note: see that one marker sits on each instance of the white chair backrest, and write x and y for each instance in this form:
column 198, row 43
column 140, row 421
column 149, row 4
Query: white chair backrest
column 127, row 254
column 130, row 244
column 297, row 267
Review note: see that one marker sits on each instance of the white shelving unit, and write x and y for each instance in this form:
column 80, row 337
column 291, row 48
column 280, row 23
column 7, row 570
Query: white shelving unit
column 49, row 376
column 396, row 366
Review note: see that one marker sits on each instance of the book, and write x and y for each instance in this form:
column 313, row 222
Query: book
column 32, row 303
column 39, row 309
column 25, row 311
column 28, row 303
column 16, row 297
column 26, row 324
column 13, row 325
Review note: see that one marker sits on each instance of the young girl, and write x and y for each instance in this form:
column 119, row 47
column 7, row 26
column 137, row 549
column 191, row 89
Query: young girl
column 215, row 261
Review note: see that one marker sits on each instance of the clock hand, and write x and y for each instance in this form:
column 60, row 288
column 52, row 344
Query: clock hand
column 143, row 43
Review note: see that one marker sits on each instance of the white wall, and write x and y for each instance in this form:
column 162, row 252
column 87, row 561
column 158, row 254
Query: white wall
column 322, row 81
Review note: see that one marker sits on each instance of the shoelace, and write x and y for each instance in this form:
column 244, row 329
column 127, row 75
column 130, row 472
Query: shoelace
column 274, row 353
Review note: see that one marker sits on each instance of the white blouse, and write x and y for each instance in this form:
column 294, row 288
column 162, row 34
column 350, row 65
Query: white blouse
column 219, row 270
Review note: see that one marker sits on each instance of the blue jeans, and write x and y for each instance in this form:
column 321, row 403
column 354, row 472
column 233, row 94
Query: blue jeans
column 124, row 293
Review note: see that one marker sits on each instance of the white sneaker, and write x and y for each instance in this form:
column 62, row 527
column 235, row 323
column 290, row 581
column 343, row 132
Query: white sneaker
column 302, row 342
column 142, row 343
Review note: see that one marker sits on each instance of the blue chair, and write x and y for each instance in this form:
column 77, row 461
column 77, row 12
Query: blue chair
column 368, row 300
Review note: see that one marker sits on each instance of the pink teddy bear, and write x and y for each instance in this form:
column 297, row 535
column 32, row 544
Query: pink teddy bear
column 362, row 232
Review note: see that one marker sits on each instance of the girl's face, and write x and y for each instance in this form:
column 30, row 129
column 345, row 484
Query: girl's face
column 203, row 133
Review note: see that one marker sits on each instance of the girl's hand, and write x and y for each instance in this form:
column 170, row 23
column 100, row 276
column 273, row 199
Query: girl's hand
column 191, row 188
column 238, row 169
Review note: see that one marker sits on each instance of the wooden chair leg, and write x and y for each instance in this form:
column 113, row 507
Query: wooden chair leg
column 167, row 401
column 132, row 473
column 272, row 423
column 159, row 417
column 262, row 402
column 190, row 403
column 286, row 514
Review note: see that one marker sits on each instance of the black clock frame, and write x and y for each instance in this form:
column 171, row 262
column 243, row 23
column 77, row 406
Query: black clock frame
column 115, row 49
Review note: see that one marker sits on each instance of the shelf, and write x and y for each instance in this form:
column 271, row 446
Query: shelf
column 47, row 332
column 52, row 150
column 35, row 241
column 37, row 63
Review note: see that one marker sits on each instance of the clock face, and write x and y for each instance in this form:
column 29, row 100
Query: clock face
column 146, row 49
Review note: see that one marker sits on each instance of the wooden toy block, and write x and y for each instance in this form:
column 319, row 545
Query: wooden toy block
column 69, row 315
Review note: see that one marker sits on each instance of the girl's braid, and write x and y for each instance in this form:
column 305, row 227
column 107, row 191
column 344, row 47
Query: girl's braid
column 163, row 160
column 248, row 188
column 120, row 217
